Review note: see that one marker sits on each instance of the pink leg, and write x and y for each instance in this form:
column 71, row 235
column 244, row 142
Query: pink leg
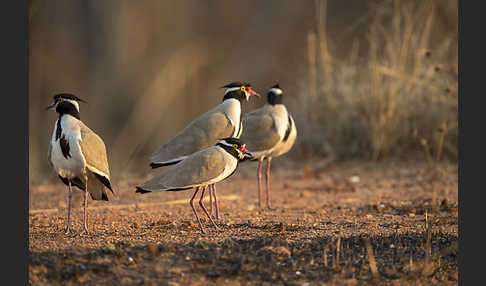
column 267, row 175
column 191, row 202
column 204, row 208
column 68, row 227
column 259, row 177
column 210, row 201
column 215, row 200
column 85, row 227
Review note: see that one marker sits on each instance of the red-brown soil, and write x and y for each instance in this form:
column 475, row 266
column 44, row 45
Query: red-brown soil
column 317, row 235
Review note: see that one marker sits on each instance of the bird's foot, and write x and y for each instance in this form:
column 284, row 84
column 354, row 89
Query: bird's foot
column 67, row 230
column 269, row 208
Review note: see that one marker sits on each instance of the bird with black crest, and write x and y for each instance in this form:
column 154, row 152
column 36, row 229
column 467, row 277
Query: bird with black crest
column 200, row 170
column 77, row 154
column 269, row 132
column 222, row 121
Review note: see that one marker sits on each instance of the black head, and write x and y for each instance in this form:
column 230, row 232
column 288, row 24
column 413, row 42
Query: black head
column 235, row 147
column 66, row 103
column 239, row 91
column 67, row 96
column 274, row 95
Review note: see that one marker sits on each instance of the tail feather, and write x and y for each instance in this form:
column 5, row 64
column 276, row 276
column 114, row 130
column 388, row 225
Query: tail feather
column 104, row 196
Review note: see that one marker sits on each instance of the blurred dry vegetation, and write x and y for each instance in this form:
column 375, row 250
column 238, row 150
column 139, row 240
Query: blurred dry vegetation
column 366, row 80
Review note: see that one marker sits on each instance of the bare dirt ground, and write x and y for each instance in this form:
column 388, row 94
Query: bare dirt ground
column 349, row 224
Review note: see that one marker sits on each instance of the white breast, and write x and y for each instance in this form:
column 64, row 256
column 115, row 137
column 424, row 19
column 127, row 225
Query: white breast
column 73, row 165
column 280, row 116
column 232, row 109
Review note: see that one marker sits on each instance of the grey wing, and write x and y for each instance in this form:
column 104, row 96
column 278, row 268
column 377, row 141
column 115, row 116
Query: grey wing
column 259, row 131
column 195, row 170
column 202, row 133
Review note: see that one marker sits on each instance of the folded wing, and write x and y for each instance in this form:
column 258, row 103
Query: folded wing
column 202, row 133
column 199, row 168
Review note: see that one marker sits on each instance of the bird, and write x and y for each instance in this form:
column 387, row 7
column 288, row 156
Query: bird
column 200, row 170
column 269, row 131
column 76, row 153
column 223, row 121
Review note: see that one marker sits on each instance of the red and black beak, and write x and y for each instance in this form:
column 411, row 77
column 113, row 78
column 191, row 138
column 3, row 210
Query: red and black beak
column 243, row 149
column 51, row 105
column 246, row 154
column 252, row 92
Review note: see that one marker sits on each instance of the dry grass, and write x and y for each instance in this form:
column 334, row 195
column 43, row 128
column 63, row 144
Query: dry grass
column 148, row 69
column 400, row 94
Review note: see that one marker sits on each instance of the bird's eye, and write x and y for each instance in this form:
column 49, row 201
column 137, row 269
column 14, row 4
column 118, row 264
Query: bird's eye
column 243, row 88
column 235, row 146
column 60, row 99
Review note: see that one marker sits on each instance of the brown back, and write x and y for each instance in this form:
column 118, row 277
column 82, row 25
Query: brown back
column 94, row 151
column 203, row 132
column 259, row 131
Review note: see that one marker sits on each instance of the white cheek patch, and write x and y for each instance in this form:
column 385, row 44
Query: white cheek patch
column 231, row 89
column 225, row 143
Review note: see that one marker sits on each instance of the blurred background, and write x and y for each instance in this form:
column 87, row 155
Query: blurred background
column 364, row 80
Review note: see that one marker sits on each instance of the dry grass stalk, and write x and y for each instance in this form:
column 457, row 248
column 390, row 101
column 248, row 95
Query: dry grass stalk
column 428, row 265
column 325, row 60
column 338, row 251
column 371, row 259
column 411, row 262
column 311, row 63
column 325, row 256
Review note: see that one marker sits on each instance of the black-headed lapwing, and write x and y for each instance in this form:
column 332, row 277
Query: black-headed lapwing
column 77, row 153
column 269, row 132
column 223, row 121
column 200, row 170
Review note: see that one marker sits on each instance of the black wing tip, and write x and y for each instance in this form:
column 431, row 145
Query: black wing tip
column 108, row 185
column 105, row 181
column 248, row 160
column 141, row 191
column 157, row 165
column 76, row 182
